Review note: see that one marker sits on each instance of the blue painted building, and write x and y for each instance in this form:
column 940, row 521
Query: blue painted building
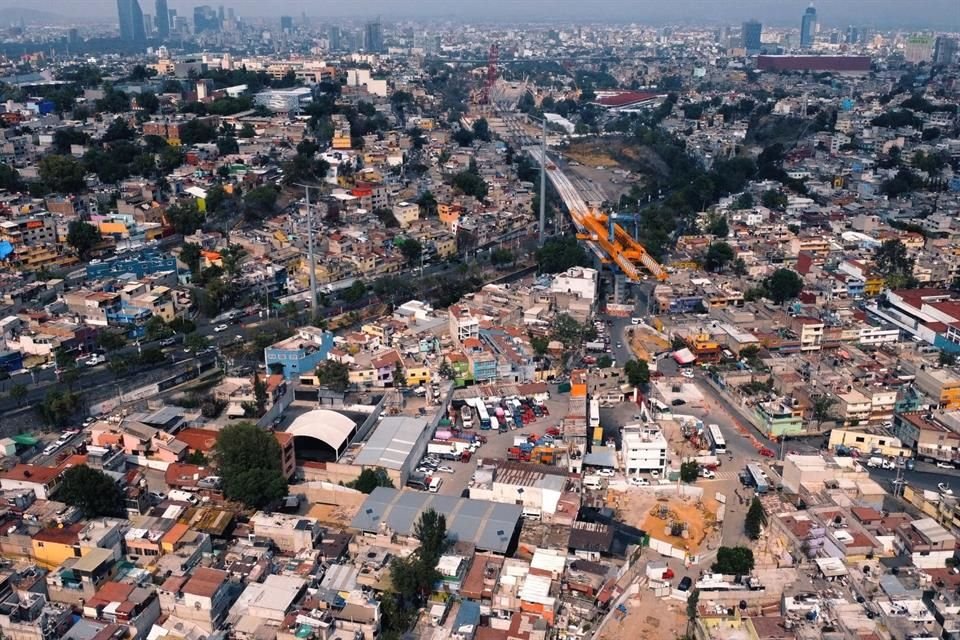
column 299, row 354
column 685, row 304
column 140, row 263
column 11, row 361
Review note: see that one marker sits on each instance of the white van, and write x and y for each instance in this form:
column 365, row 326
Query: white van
column 532, row 513
column 592, row 482
column 183, row 496
column 435, row 484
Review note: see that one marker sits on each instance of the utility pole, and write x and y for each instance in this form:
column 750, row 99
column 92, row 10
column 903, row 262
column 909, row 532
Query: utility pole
column 543, row 183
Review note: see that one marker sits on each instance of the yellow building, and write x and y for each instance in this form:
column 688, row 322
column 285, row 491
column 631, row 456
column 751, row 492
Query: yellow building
column 873, row 286
column 363, row 377
column 868, row 440
column 416, row 374
column 446, row 246
column 53, row 545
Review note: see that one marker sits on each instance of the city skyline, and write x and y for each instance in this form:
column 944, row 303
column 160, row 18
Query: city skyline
column 941, row 15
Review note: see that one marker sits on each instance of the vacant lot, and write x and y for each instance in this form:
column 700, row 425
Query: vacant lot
column 648, row 617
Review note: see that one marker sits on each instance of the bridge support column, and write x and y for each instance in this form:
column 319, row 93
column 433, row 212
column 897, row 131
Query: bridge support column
column 619, row 287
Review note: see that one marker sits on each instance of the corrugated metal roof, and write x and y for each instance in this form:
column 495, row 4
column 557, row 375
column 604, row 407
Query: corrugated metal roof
column 391, row 442
column 488, row 525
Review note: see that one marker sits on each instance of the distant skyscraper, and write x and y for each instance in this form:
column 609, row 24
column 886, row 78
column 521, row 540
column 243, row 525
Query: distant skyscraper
column 373, row 37
column 945, row 50
column 131, row 21
column 286, row 23
column 750, row 34
column 333, row 39
column 808, row 27
column 205, row 19
column 163, row 19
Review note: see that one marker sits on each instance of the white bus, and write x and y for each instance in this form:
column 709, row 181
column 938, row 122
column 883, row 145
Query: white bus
column 717, row 443
column 483, row 415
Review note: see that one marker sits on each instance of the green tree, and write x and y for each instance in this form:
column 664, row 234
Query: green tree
column 9, row 178
column 783, row 285
column 411, row 250
column 83, row 237
column 249, row 460
column 260, row 202
column 355, row 292
column 823, row 409
column 169, row 159
column 196, row 457
column 93, row 492
column 111, row 340
column 501, row 256
column 689, row 471
column 227, row 145
column 232, row 257
column 370, row 479
column 190, row 256
column 604, row 361
column 247, row 131
column 118, row 130
column 481, row 129
column 185, row 218
column 637, row 372
column 470, row 184
column 62, row 174
column 734, row 561
column 157, row 329
column 260, row 394
column 399, row 375
column 774, row 199
column 58, row 407
column 947, row 359
column 568, row 331
column 719, row 227
column 894, row 263
column 719, row 254
column 18, row 393
column 559, row 254
column 197, row 131
column 756, row 518
column 539, row 344
column 743, row 201
column 333, row 375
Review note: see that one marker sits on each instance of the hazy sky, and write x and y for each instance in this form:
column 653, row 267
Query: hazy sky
column 935, row 14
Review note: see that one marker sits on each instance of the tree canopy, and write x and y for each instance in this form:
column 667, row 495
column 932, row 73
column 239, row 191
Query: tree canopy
column 560, row 253
column 783, row 285
column 93, row 492
column 370, row 479
column 718, row 256
column 637, row 372
column 83, row 237
column 755, row 519
column 894, row 263
column 333, row 375
column 249, row 460
column 734, row 561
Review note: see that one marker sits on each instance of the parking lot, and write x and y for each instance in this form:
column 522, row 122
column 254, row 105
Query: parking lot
column 497, row 445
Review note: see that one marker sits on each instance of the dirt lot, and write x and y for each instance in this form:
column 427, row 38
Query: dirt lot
column 642, row 509
column 592, row 154
column 648, row 617
column 644, row 343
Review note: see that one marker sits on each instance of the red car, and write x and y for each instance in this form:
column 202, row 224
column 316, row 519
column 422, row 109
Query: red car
column 553, row 431
column 767, row 452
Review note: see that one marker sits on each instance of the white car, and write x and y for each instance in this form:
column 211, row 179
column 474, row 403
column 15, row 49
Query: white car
column 95, row 360
column 655, row 474
column 606, row 473
column 706, row 473
column 639, row 482
column 945, row 489
column 634, row 321
column 445, row 469
column 686, row 373
column 945, row 465
column 220, row 328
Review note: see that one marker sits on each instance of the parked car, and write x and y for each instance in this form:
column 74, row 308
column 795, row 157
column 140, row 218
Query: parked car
column 655, row 474
column 94, row 360
column 606, row 473
column 945, row 489
column 639, row 482
column 944, row 465
column 687, row 373
column 220, row 328
column 445, row 469
column 706, row 473
column 168, row 342
column 685, row 583
column 767, row 452
column 678, row 402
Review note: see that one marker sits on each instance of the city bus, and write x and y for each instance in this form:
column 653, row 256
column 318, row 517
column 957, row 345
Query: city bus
column 717, row 443
column 484, row 416
column 757, row 478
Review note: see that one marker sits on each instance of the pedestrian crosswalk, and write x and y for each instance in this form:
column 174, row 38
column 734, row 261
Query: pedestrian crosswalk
column 722, row 475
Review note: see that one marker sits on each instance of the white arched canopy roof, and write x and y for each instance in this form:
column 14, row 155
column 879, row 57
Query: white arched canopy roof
column 332, row 428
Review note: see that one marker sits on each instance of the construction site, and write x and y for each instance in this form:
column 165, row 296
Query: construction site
column 685, row 522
